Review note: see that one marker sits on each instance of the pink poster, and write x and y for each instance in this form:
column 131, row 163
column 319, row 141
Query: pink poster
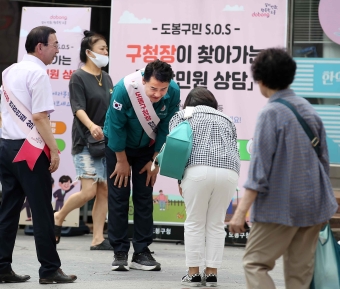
column 329, row 19
column 208, row 43
column 69, row 24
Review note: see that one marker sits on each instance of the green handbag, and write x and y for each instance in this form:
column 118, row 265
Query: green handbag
column 327, row 261
column 176, row 151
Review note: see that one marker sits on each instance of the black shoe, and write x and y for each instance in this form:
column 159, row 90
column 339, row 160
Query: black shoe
column 105, row 245
column 58, row 277
column 11, row 277
column 120, row 262
column 144, row 261
column 209, row 280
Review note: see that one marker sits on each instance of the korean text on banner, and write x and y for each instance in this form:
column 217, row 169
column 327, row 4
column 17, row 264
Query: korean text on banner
column 208, row 43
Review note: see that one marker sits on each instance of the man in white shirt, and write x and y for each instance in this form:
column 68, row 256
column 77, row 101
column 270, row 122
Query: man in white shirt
column 27, row 160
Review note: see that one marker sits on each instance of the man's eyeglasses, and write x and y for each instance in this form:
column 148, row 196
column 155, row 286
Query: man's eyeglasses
column 55, row 45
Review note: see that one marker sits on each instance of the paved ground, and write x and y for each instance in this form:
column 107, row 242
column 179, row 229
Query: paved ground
column 93, row 268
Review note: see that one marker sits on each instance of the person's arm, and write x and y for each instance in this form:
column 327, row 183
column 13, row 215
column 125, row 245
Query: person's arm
column 116, row 119
column 42, row 105
column 70, row 189
column 163, row 126
column 42, row 123
column 122, row 170
column 323, row 153
column 78, row 106
column 264, row 149
column 115, row 122
column 151, row 174
column 236, row 224
column 96, row 130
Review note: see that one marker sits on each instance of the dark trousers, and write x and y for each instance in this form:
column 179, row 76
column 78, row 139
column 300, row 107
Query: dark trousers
column 119, row 202
column 19, row 181
column 59, row 205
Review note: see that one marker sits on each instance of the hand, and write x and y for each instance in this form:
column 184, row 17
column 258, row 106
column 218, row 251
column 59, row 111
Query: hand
column 122, row 173
column 97, row 132
column 54, row 161
column 180, row 190
column 236, row 224
column 151, row 175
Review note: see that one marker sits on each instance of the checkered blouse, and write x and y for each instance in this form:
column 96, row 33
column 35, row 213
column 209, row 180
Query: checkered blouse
column 214, row 138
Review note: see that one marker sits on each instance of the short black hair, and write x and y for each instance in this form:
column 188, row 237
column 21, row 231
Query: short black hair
column 64, row 179
column 200, row 96
column 37, row 35
column 274, row 67
column 160, row 70
column 90, row 38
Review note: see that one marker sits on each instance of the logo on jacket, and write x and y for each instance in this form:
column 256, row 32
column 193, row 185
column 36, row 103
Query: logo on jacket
column 163, row 108
column 117, row 105
column 134, row 84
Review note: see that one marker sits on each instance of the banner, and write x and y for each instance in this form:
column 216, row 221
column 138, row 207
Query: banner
column 319, row 78
column 210, row 44
column 69, row 24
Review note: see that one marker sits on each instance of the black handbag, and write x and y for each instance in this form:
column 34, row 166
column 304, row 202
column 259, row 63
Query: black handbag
column 96, row 147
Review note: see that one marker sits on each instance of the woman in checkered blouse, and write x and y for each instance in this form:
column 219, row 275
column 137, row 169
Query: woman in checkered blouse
column 209, row 183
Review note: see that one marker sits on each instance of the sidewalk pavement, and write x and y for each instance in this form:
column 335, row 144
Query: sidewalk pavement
column 93, row 268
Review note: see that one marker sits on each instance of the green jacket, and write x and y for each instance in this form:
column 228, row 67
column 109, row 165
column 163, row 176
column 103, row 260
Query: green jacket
column 122, row 126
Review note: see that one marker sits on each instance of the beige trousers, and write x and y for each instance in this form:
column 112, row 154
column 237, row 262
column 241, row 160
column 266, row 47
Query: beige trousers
column 268, row 242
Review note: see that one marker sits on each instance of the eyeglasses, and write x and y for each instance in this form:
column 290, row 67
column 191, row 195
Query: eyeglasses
column 55, row 45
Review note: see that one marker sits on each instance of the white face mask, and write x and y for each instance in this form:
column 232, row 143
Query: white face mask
column 100, row 60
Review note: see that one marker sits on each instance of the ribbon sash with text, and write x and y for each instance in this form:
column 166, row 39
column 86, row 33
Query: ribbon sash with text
column 141, row 103
column 33, row 144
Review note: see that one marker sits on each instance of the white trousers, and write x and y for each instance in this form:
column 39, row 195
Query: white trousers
column 207, row 192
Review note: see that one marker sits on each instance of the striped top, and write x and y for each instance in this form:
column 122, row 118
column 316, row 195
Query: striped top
column 292, row 182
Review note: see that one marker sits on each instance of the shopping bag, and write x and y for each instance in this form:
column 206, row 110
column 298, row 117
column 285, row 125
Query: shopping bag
column 327, row 261
column 176, row 151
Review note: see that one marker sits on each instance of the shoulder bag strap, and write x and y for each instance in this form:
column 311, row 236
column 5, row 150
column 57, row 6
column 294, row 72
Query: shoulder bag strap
column 314, row 140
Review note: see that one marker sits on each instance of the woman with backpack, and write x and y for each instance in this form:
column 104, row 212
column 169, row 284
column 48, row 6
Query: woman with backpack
column 209, row 182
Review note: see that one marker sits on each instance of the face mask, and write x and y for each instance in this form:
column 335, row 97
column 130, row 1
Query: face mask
column 100, row 60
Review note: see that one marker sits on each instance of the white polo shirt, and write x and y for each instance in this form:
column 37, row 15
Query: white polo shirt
column 31, row 85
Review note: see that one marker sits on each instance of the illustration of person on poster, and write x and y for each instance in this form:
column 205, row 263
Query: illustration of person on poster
column 66, row 185
column 162, row 200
